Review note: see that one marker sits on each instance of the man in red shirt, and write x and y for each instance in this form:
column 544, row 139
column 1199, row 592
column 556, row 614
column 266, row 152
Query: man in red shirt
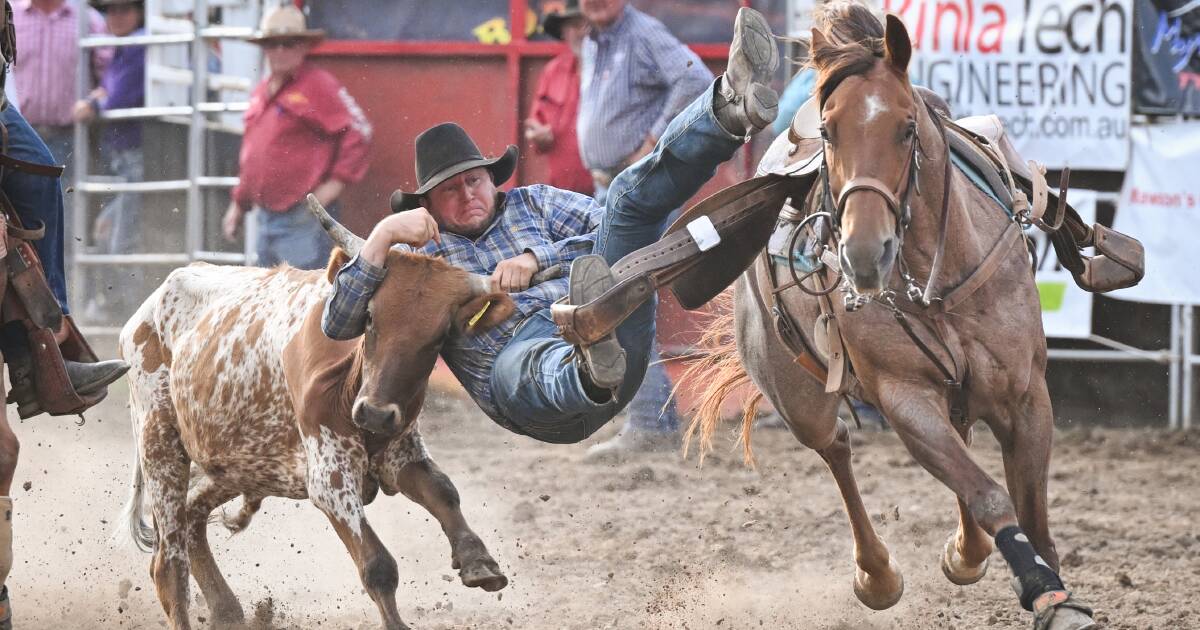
column 304, row 134
column 551, row 127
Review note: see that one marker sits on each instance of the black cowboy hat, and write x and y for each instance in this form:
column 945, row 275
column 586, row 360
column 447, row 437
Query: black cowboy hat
column 444, row 151
column 553, row 22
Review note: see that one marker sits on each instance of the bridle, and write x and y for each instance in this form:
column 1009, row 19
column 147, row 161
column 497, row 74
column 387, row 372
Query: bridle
column 898, row 203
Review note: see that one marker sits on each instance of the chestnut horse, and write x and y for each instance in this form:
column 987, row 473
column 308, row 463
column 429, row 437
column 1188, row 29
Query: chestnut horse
column 890, row 194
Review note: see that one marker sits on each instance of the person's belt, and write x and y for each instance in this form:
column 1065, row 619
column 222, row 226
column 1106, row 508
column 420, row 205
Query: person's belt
column 604, row 177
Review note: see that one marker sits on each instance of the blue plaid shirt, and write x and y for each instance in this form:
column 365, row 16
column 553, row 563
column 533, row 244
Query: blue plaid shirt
column 556, row 226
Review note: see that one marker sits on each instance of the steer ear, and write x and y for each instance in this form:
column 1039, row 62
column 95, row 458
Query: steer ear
column 483, row 313
column 337, row 260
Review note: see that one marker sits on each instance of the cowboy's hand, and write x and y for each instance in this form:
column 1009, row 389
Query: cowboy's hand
column 514, row 274
column 412, row 227
column 232, row 220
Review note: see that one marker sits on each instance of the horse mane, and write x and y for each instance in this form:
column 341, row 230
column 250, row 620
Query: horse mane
column 855, row 44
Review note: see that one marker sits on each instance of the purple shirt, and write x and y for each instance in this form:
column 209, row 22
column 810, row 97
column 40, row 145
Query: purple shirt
column 125, row 84
column 47, row 56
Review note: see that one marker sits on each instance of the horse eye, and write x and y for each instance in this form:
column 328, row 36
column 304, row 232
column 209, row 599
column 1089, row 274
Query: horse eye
column 910, row 130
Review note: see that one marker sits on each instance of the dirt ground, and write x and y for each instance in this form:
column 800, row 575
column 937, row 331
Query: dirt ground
column 655, row 543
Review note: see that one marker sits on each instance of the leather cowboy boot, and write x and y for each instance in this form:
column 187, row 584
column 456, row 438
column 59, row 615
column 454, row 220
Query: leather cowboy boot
column 87, row 379
column 743, row 103
column 602, row 363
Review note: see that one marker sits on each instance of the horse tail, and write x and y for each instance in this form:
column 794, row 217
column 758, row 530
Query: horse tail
column 718, row 369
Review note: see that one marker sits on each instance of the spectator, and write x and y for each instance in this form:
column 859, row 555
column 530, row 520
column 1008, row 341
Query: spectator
column 304, row 134
column 122, row 86
column 551, row 127
column 118, row 228
column 636, row 77
column 45, row 73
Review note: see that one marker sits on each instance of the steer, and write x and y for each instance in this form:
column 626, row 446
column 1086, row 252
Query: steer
column 234, row 385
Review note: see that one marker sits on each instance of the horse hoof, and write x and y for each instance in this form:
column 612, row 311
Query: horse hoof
column 956, row 568
column 485, row 575
column 1059, row 610
column 879, row 592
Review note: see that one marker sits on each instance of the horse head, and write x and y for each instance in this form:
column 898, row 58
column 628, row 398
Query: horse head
column 871, row 124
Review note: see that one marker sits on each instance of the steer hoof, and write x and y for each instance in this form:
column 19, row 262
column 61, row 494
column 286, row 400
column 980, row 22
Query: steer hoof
column 227, row 617
column 476, row 566
column 484, row 574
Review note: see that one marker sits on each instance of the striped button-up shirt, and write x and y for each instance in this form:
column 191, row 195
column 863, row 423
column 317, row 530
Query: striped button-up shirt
column 636, row 77
column 555, row 225
column 47, row 55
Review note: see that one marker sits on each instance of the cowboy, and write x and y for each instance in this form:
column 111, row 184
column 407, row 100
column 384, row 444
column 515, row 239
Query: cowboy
column 304, row 133
column 30, row 183
column 521, row 373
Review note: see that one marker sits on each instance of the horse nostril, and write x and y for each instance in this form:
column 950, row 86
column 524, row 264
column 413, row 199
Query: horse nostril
column 889, row 253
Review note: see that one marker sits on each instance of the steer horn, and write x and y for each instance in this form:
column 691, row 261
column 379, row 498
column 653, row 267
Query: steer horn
column 350, row 242
column 480, row 284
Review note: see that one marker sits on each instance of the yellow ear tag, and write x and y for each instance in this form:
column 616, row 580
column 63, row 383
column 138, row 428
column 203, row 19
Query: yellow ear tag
column 478, row 316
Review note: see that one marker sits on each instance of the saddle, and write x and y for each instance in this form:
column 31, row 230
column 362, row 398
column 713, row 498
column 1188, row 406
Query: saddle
column 715, row 241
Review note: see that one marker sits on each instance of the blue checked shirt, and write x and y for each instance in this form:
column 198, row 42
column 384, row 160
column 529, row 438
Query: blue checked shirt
column 556, row 226
column 635, row 77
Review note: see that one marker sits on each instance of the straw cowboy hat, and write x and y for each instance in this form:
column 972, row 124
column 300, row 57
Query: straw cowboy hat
column 444, row 151
column 553, row 22
column 285, row 22
column 101, row 5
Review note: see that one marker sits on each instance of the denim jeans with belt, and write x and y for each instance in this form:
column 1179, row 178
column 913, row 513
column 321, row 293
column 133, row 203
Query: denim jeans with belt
column 293, row 236
column 37, row 199
column 535, row 381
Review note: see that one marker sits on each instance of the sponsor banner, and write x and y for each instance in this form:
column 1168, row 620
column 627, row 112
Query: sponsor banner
column 1167, row 57
column 1057, row 72
column 1066, row 309
column 1160, row 206
column 799, row 18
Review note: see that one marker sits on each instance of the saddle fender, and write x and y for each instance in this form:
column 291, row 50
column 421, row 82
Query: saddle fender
column 787, row 170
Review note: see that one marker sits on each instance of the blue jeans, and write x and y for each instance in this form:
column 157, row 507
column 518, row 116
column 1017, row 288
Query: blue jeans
column 535, row 382
column 652, row 409
column 122, row 215
column 37, row 199
column 294, row 237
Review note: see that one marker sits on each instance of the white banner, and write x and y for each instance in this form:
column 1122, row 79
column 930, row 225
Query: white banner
column 1160, row 206
column 1057, row 72
column 1066, row 309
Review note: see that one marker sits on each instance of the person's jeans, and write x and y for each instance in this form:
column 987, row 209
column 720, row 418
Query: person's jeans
column 294, row 237
column 535, row 381
column 118, row 224
column 37, row 199
column 652, row 408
